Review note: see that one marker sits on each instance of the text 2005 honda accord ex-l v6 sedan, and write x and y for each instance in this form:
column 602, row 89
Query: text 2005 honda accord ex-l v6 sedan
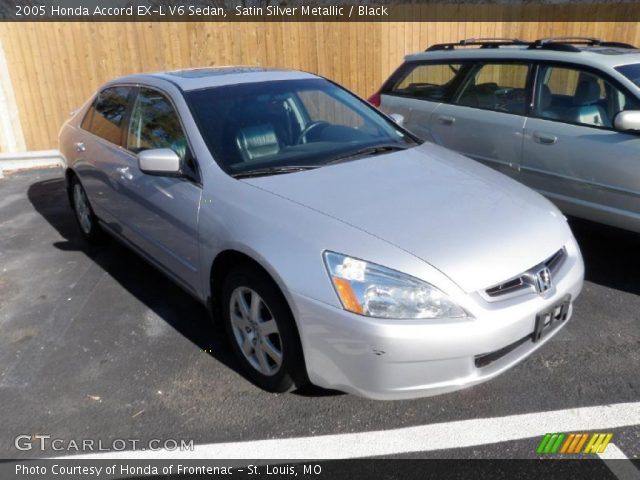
column 337, row 248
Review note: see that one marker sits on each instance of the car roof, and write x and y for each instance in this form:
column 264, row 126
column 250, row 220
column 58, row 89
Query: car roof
column 198, row 78
column 600, row 56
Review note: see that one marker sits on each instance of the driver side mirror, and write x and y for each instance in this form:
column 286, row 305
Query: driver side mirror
column 159, row 161
column 396, row 117
column 627, row 121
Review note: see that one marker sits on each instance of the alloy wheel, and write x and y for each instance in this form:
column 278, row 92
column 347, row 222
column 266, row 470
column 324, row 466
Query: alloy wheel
column 256, row 331
column 82, row 208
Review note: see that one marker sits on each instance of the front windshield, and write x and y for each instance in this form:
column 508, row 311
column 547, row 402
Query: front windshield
column 632, row 72
column 276, row 125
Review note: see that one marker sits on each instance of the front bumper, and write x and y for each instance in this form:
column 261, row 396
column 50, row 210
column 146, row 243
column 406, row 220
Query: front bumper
column 396, row 359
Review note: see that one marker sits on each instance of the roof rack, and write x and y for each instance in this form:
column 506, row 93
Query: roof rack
column 564, row 44
column 570, row 40
column 493, row 42
column 567, row 43
column 616, row 45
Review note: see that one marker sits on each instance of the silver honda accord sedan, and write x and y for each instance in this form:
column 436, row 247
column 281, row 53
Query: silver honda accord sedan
column 336, row 247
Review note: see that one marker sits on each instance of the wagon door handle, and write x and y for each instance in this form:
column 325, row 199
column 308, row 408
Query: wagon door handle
column 79, row 146
column 545, row 138
column 446, row 120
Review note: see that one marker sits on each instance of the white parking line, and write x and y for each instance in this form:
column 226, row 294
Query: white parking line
column 438, row 436
column 614, row 458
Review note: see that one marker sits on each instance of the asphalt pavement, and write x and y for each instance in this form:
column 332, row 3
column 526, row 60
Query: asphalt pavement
column 97, row 344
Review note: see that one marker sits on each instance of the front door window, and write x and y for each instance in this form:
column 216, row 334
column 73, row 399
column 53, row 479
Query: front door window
column 576, row 96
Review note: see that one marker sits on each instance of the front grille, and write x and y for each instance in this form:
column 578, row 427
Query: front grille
column 526, row 281
column 506, row 287
column 554, row 262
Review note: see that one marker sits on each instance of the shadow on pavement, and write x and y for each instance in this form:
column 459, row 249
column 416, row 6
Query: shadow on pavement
column 139, row 278
column 611, row 255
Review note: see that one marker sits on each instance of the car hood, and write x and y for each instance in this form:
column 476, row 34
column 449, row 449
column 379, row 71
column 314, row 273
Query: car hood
column 475, row 225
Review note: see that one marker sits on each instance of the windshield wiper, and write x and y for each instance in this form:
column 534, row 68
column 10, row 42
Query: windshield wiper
column 278, row 170
column 390, row 147
column 263, row 172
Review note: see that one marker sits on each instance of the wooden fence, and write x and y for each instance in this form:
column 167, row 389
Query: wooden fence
column 54, row 67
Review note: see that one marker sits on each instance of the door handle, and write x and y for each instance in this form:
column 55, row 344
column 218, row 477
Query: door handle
column 124, row 173
column 545, row 138
column 79, row 146
column 446, row 120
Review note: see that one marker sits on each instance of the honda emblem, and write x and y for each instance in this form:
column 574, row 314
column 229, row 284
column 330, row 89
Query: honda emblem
column 543, row 280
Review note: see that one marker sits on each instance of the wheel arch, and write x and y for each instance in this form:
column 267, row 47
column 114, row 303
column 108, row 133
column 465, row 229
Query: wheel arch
column 224, row 262
column 227, row 259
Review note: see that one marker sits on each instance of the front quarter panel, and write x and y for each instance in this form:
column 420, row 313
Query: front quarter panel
column 288, row 239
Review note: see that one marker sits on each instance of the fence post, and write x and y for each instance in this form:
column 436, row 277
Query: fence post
column 11, row 135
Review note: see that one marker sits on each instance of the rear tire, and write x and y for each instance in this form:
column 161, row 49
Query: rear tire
column 262, row 330
column 86, row 219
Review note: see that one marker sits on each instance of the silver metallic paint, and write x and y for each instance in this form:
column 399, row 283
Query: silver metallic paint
column 427, row 212
column 588, row 172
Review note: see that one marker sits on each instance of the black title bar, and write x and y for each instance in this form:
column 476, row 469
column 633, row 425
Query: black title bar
column 312, row 10
column 302, row 470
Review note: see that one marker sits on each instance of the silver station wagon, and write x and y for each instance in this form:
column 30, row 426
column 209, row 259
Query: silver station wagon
column 337, row 248
column 561, row 115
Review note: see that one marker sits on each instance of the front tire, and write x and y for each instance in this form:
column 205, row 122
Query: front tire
column 87, row 220
column 262, row 330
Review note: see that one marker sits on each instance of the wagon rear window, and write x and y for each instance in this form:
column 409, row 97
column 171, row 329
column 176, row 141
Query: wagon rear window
column 435, row 82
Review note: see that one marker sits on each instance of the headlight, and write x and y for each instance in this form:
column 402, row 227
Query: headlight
column 375, row 291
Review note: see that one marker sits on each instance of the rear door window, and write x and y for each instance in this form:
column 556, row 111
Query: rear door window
column 498, row 87
column 433, row 81
column 106, row 116
column 577, row 96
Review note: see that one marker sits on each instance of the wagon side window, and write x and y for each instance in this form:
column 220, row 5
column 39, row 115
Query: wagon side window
column 433, row 82
column 498, row 87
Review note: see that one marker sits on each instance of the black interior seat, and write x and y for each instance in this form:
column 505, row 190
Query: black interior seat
column 482, row 95
column 544, row 107
column 587, row 109
column 257, row 141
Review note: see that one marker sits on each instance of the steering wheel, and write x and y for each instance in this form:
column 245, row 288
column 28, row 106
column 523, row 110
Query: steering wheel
column 302, row 138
